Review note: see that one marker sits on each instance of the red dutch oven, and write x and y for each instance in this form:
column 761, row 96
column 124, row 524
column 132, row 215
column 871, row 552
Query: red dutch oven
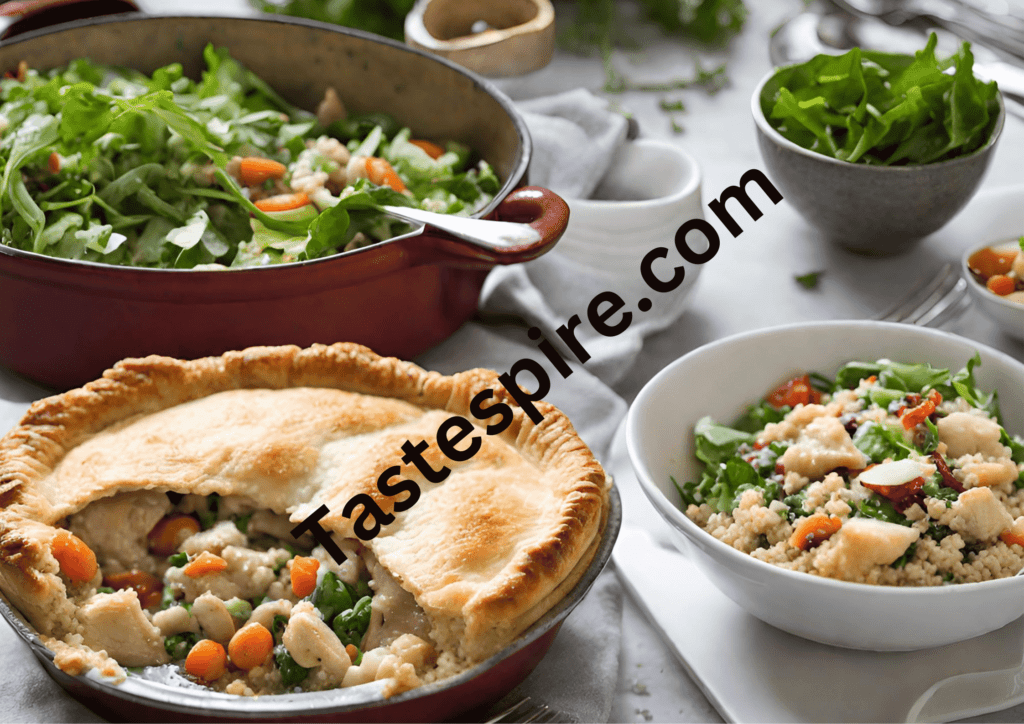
column 63, row 322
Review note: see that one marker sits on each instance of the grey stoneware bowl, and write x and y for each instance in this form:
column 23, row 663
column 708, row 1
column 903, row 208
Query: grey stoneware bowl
column 871, row 210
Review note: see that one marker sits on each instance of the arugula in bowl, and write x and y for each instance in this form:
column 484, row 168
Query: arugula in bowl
column 883, row 108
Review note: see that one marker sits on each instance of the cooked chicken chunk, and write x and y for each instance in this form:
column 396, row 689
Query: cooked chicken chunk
column 967, row 434
column 862, row 543
column 979, row 516
column 822, row 446
column 115, row 623
column 311, row 642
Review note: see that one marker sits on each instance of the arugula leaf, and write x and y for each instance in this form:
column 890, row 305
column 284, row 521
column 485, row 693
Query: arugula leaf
column 809, row 280
column 881, row 108
column 882, row 509
column 879, row 442
column 758, row 415
column 717, row 443
column 851, row 373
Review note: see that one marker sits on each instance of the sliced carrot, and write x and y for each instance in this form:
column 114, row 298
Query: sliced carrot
column 383, row 173
column 253, row 170
column 76, row 559
column 250, row 646
column 1001, row 284
column 53, row 162
column 283, row 202
column 814, row 530
column 988, row 262
column 205, row 564
column 797, row 391
column 170, row 532
column 206, row 660
column 432, row 149
column 304, row 575
column 149, row 587
column 352, row 651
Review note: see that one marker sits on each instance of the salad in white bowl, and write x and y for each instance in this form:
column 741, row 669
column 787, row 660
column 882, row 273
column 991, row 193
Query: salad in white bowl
column 935, row 547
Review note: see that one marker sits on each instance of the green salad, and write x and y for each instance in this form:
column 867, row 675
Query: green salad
column 883, row 108
column 734, row 464
column 893, row 474
column 110, row 165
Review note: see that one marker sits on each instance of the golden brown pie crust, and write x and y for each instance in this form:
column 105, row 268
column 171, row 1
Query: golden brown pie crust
column 485, row 553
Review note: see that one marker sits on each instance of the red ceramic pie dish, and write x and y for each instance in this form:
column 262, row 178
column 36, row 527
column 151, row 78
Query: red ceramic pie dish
column 63, row 322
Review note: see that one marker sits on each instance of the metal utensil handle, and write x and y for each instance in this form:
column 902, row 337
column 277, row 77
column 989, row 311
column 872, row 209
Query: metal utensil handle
column 525, row 225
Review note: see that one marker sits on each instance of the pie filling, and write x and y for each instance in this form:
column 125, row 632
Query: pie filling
column 221, row 589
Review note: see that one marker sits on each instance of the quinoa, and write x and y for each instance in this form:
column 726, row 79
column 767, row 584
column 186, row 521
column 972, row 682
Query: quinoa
column 876, row 482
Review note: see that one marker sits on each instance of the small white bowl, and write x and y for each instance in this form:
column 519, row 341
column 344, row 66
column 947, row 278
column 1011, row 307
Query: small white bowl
column 720, row 379
column 1008, row 315
column 651, row 188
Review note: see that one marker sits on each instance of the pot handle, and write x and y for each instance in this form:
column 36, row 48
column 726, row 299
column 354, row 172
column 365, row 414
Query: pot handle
column 526, row 224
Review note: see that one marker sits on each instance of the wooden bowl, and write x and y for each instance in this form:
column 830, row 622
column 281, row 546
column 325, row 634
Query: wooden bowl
column 519, row 39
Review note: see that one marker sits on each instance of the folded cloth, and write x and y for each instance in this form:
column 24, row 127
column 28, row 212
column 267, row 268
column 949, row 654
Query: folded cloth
column 574, row 138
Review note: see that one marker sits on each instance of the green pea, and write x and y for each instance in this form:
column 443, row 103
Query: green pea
column 291, row 672
column 350, row 626
column 331, row 597
column 178, row 560
column 239, row 608
column 178, row 646
column 104, row 589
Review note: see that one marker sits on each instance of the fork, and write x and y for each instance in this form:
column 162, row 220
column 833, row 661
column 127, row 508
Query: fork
column 933, row 303
column 527, row 710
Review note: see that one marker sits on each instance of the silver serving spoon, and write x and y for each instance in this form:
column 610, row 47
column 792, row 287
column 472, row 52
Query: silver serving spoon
column 494, row 234
column 810, row 34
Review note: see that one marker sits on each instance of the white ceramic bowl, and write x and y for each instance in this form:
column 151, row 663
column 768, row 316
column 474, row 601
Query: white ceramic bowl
column 720, row 379
column 651, row 189
column 1008, row 315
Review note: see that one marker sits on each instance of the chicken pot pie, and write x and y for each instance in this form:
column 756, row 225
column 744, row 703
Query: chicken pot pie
column 146, row 519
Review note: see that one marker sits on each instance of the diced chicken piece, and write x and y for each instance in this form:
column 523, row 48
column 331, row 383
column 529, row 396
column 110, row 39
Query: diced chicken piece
column 979, row 516
column 861, row 544
column 967, row 434
column 115, row 623
column 311, row 642
column 367, row 669
column 214, row 618
column 331, row 108
column 175, row 620
column 822, row 446
column 214, row 540
column 990, row 474
column 791, row 427
column 265, row 612
column 115, row 529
